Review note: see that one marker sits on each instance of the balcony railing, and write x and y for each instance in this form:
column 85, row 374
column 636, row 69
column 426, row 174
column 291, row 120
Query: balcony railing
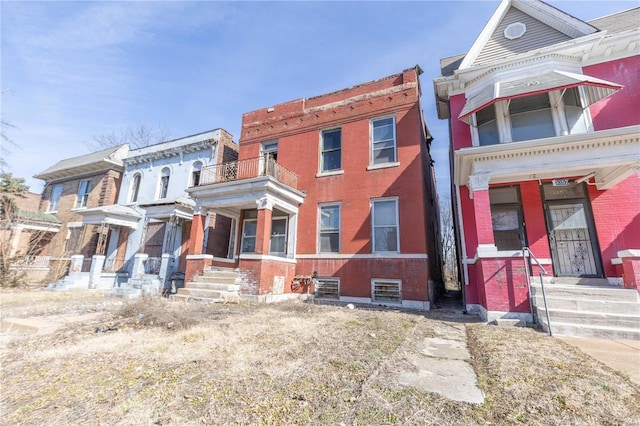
column 33, row 262
column 245, row 169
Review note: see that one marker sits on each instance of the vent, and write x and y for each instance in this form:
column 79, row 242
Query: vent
column 327, row 288
column 388, row 291
column 515, row 30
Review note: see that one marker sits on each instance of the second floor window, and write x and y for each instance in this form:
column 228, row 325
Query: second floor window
column 195, row 173
column 164, row 183
column 84, row 188
column 135, row 188
column 383, row 141
column 331, row 150
column 54, row 202
column 531, row 117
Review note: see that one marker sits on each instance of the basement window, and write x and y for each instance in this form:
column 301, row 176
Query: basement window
column 386, row 291
column 328, row 288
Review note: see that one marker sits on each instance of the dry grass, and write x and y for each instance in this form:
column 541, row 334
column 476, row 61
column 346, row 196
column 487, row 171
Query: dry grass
column 151, row 361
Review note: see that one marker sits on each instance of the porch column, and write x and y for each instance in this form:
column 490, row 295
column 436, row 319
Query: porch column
column 263, row 226
column 479, row 192
column 97, row 262
column 196, row 239
column 75, row 266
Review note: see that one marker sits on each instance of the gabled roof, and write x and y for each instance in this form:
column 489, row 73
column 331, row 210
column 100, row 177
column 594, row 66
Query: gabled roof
column 617, row 22
column 545, row 26
column 110, row 158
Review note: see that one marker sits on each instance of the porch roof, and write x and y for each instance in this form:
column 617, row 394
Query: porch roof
column 230, row 198
column 181, row 207
column 113, row 214
column 609, row 156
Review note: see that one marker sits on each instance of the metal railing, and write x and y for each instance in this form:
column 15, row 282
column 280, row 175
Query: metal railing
column 526, row 252
column 33, row 262
column 245, row 169
column 152, row 265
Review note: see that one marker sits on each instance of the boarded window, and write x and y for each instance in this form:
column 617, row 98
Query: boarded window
column 328, row 288
column 386, row 291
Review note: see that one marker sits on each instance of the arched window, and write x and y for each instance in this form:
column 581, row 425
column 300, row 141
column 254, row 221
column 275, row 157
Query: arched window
column 164, row 182
column 195, row 173
column 135, row 188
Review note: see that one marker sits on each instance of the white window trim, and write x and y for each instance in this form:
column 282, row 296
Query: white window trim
column 558, row 116
column 49, row 209
column 286, row 235
column 159, row 187
column 319, row 227
column 77, row 205
column 192, row 170
column 242, row 235
column 133, row 181
column 373, row 245
column 372, row 165
column 320, row 143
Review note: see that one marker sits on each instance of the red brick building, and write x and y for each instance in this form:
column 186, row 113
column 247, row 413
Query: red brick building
column 545, row 134
column 339, row 185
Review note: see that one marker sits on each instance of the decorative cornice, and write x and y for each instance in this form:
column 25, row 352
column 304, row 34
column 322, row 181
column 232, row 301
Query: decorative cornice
column 174, row 151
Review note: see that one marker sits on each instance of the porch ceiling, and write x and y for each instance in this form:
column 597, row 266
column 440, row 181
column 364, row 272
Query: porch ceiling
column 230, row 198
column 612, row 155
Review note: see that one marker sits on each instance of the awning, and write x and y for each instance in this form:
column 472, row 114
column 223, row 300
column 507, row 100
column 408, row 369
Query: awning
column 595, row 89
column 114, row 214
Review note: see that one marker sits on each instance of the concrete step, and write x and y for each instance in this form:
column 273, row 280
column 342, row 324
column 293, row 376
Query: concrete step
column 590, row 305
column 610, row 319
column 215, row 278
column 587, row 292
column 124, row 292
column 213, row 286
column 201, row 292
column 601, row 282
column 597, row 331
column 189, row 298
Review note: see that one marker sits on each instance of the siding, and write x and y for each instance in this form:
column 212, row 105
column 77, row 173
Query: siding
column 537, row 35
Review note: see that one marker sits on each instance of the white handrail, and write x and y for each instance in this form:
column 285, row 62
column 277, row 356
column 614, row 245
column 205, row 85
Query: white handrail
column 526, row 252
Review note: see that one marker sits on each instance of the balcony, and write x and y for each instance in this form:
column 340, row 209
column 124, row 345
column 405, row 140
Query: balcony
column 247, row 169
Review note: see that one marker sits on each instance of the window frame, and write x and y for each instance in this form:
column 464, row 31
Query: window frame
column 163, row 187
column 332, row 280
column 54, row 201
column 374, row 226
column 387, row 301
column 337, row 231
column 321, row 169
column 285, row 235
column 372, row 142
column 82, row 196
column 196, row 173
column 247, row 236
column 505, row 207
column 134, row 190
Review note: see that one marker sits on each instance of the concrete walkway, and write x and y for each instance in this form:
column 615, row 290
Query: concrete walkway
column 620, row 355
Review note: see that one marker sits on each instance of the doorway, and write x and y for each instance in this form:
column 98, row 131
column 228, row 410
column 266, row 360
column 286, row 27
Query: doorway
column 571, row 231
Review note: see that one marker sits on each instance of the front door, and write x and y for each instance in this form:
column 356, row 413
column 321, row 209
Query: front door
column 571, row 233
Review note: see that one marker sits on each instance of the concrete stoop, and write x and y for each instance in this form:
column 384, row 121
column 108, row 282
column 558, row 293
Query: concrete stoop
column 136, row 287
column 76, row 281
column 588, row 308
column 214, row 286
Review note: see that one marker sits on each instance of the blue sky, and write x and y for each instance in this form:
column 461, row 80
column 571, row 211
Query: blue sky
column 73, row 70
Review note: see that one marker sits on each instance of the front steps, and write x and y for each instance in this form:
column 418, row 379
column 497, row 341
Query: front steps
column 214, row 285
column 588, row 308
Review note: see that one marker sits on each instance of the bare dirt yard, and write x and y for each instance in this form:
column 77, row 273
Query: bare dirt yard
column 92, row 360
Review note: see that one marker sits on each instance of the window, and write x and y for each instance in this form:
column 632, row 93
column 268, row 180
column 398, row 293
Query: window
column 249, row 227
column 73, row 243
column 331, row 150
column 576, row 122
column 56, row 193
column 135, row 188
column 269, row 156
column 383, row 141
column 278, row 239
column 84, row 188
column 531, row 117
column 195, row 173
column 164, row 183
column 329, row 235
column 487, row 126
column 385, row 226
column 506, row 218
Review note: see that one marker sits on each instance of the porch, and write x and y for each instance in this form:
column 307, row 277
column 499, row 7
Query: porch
column 261, row 200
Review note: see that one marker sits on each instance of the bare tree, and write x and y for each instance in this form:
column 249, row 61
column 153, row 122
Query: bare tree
column 136, row 137
column 449, row 254
column 5, row 140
